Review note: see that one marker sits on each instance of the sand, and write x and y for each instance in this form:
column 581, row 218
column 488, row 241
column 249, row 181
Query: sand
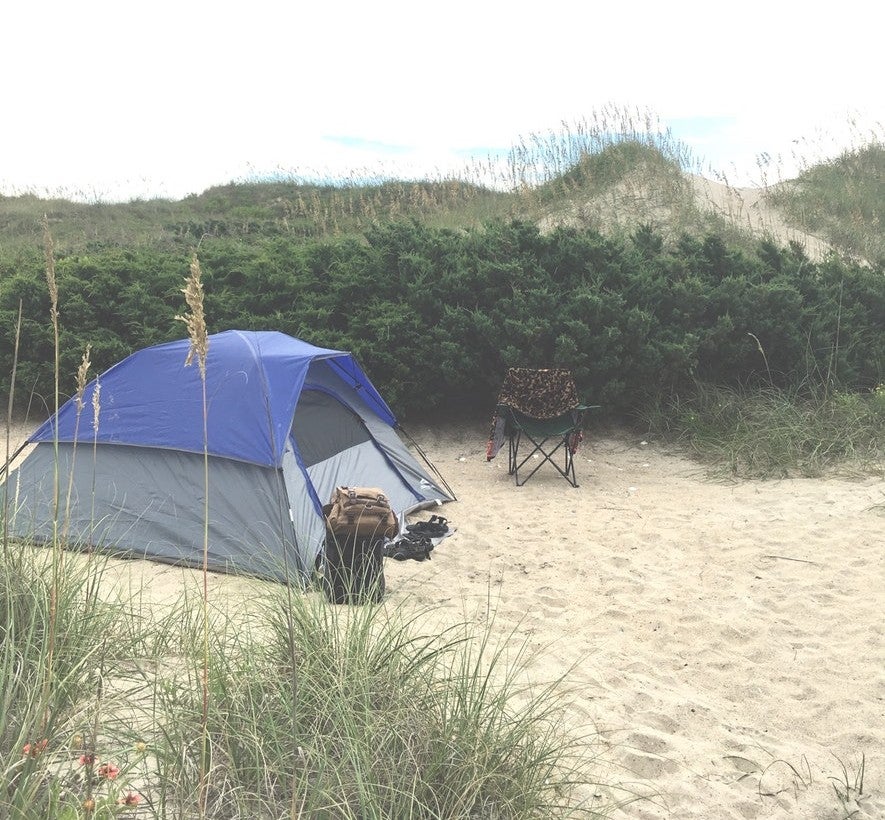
column 723, row 640
column 712, row 628
column 633, row 201
column 749, row 210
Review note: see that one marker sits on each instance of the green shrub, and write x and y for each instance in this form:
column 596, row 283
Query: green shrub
column 436, row 316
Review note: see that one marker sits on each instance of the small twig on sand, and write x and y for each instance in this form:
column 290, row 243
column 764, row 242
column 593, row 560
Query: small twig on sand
column 785, row 558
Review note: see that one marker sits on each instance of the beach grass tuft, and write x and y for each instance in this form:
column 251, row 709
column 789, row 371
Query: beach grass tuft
column 774, row 432
column 389, row 719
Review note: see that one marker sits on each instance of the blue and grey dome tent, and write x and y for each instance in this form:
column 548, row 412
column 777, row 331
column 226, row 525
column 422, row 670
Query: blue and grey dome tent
column 287, row 422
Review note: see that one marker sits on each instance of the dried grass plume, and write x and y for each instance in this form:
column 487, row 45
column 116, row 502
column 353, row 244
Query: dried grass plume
column 82, row 370
column 96, row 405
column 49, row 254
column 195, row 320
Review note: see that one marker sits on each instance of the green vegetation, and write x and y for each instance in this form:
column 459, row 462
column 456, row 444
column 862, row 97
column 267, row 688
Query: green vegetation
column 251, row 212
column 585, row 249
column 314, row 711
column 841, row 200
column 51, row 688
column 777, row 432
column 538, row 168
column 436, row 316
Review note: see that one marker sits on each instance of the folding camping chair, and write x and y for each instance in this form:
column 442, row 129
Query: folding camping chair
column 540, row 408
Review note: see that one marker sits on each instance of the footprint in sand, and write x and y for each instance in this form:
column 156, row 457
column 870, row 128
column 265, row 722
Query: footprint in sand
column 645, row 742
column 749, row 810
column 648, row 767
column 615, row 614
column 552, row 602
column 660, row 722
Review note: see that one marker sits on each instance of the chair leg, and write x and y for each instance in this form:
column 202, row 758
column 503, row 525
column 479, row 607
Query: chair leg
column 512, row 451
column 568, row 473
column 570, row 466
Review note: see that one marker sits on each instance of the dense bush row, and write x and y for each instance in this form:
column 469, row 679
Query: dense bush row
column 436, row 316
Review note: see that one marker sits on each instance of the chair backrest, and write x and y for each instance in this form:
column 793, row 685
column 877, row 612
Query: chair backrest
column 541, row 394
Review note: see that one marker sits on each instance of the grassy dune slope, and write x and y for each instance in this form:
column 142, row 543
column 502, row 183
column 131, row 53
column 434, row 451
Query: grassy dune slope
column 611, row 185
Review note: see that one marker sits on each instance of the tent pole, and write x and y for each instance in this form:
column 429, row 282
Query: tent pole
column 11, row 459
column 428, row 462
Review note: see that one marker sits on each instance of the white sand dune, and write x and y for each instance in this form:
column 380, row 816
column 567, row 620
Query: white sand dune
column 726, row 640
column 635, row 201
column 749, row 210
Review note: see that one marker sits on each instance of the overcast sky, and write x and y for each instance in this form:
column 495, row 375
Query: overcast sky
column 122, row 99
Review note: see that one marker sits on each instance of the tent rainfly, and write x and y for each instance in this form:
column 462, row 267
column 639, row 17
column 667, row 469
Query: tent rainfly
column 287, row 422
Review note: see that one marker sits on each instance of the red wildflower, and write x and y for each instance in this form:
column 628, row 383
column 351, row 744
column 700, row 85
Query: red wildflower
column 131, row 799
column 108, row 770
column 35, row 748
column 87, row 759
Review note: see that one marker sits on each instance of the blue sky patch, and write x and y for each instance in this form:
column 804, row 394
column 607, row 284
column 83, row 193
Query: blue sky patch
column 361, row 144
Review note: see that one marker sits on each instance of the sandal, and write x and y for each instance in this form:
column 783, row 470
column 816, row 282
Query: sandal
column 418, row 549
column 436, row 527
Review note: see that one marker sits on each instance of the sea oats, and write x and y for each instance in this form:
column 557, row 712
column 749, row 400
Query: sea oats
column 82, row 370
column 49, row 255
column 195, row 320
column 96, row 405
